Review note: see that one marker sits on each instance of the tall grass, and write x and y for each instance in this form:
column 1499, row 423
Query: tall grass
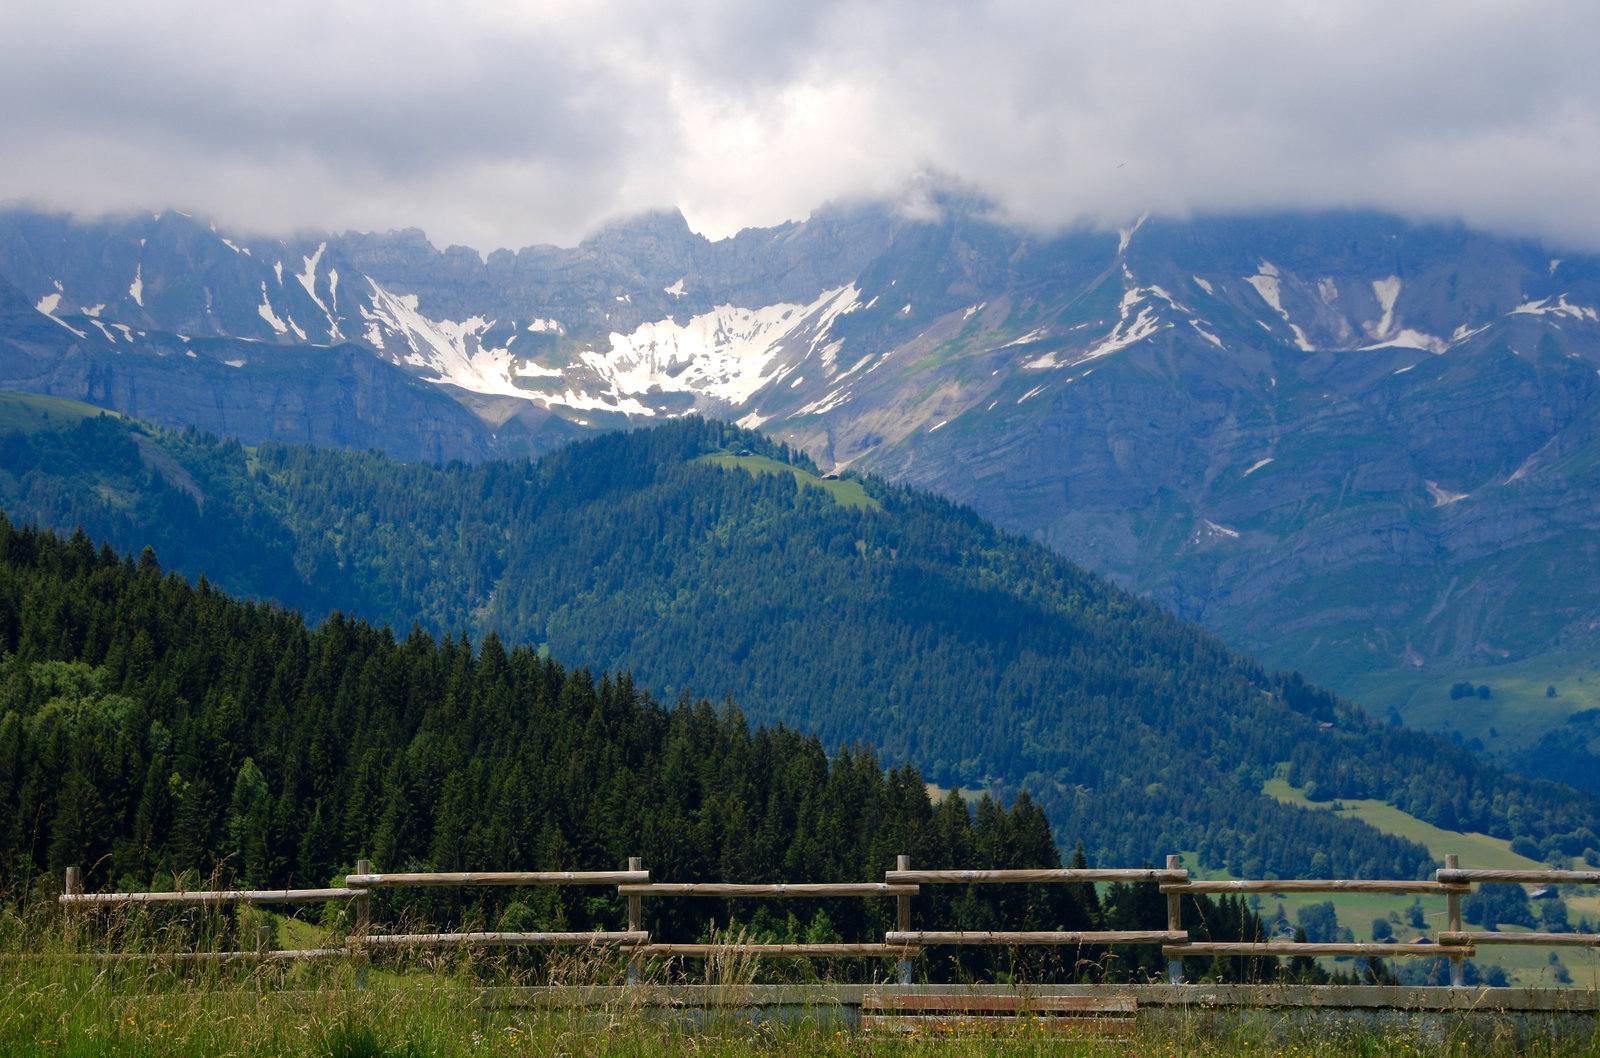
column 55, row 1001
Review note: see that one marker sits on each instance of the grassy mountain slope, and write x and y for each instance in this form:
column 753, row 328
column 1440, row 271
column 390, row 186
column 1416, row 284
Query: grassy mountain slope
column 919, row 629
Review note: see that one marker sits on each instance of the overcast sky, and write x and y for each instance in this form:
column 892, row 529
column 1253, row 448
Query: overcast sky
column 508, row 123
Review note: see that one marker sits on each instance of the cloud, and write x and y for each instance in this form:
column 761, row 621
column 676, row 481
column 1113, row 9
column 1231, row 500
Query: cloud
column 505, row 123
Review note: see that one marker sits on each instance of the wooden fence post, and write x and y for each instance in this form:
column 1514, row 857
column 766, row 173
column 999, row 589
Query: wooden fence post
column 1174, row 923
column 903, row 918
column 635, row 920
column 263, row 942
column 74, row 887
column 1458, row 965
column 363, row 924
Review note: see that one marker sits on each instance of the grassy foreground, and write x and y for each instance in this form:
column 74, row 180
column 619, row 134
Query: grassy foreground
column 59, row 996
column 80, row 1019
column 57, row 1006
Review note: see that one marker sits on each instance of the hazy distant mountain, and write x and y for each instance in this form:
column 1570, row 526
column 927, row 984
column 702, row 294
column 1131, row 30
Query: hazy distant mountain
column 1344, row 441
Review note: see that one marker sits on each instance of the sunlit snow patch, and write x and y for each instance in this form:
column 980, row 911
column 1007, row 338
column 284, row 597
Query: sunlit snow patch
column 449, row 349
column 1561, row 308
column 308, row 280
column 1126, row 332
column 727, row 354
column 1265, row 282
column 264, row 310
column 1441, row 497
column 1386, row 291
column 1410, row 339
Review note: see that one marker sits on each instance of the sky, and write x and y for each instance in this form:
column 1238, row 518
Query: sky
column 496, row 123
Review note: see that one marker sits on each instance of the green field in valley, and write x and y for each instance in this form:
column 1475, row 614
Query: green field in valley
column 1475, row 850
column 1524, row 965
column 1518, row 711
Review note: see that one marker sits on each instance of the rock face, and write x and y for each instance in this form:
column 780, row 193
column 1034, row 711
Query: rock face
column 1346, row 442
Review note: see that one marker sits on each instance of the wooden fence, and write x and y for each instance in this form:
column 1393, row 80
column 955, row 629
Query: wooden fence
column 902, row 884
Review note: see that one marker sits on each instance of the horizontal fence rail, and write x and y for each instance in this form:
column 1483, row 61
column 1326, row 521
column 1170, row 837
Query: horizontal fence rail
column 468, row 878
column 810, row 951
column 204, row 896
column 506, row 940
column 1456, row 876
column 775, row 889
column 1557, row 940
column 1063, row 874
column 1281, row 948
column 901, row 943
column 1315, row 885
column 1075, row 938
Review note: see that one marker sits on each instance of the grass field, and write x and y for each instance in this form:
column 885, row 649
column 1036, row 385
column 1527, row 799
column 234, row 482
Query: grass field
column 1475, row 850
column 846, row 492
column 1524, row 965
column 30, row 413
column 444, row 1005
column 1518, row 711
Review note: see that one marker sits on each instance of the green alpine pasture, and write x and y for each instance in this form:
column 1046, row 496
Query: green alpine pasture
column 846, row 492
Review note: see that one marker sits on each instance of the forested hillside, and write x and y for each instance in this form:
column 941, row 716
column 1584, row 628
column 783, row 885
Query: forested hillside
column 915, row 627
column 152, row 731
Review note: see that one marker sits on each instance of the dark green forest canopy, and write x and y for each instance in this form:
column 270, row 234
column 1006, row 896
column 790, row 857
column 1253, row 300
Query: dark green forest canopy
column 918, row 629
column 149, row 727
column 156, row 732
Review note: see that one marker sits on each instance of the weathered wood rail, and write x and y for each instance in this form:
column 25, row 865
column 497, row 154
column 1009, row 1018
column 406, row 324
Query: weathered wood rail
column 901, row 884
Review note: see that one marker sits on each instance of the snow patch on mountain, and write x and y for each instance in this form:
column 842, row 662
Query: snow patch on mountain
column 1266, row 284
column 1561, row 308
column 1031, row 336
column 1413, row 339
column 1207, row 335
column 1386, row 291
column 136, row 288
column 452, row 351
column 308, row 280
column 727, row 354
column 1124, row 333
column 48, row 303
column 265, row 311
column 1125, row 235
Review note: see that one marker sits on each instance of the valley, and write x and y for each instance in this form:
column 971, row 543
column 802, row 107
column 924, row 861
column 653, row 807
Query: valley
column 905, row 623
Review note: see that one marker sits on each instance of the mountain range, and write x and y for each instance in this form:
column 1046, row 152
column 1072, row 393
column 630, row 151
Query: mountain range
column 1348, row 443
